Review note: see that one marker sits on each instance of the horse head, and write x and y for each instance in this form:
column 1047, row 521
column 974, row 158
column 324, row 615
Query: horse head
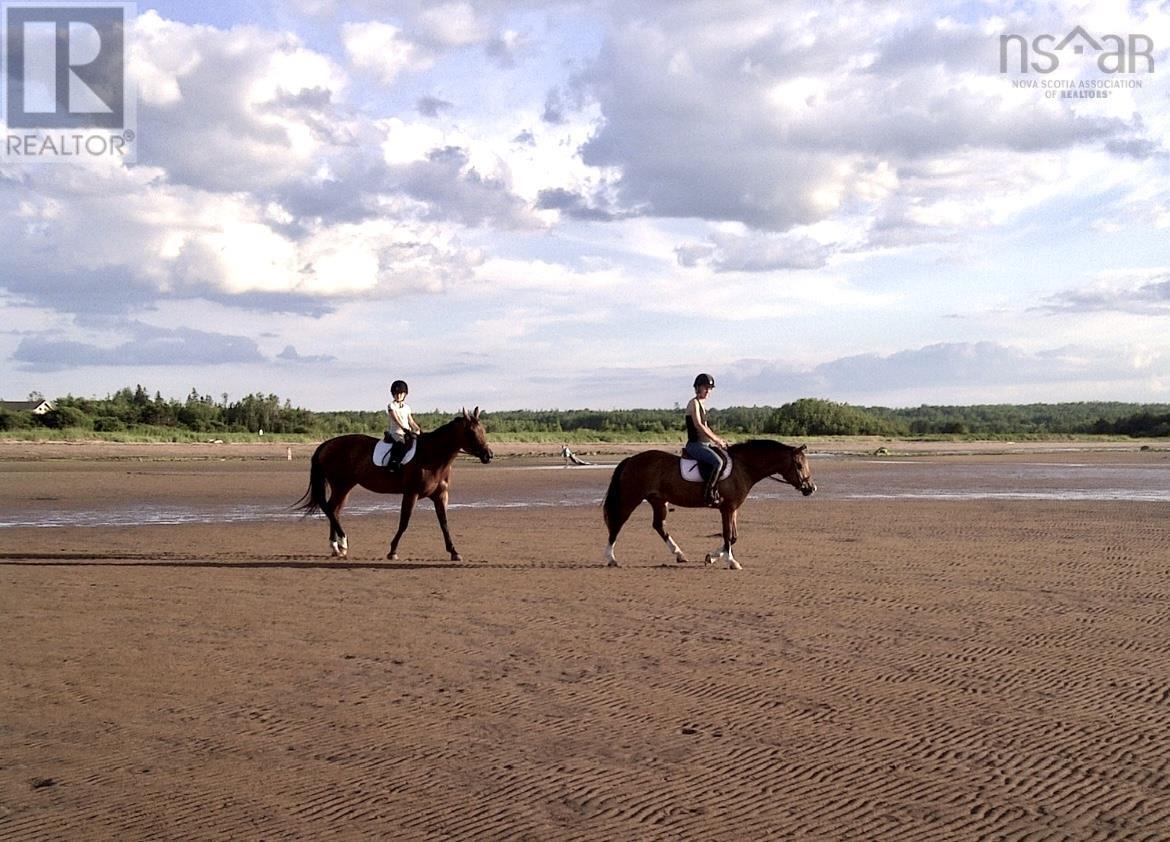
column 796, row 471
column 474, row 439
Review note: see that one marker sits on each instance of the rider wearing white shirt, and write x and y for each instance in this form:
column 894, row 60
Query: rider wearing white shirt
column 401, row 427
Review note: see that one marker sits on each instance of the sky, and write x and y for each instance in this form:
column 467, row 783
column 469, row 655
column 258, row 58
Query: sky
column 551, row 204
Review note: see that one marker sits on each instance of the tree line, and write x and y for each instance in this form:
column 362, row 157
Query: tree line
column 135, row 409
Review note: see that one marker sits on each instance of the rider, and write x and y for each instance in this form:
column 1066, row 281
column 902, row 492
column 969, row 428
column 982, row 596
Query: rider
column 703, row 443
column 401, row 428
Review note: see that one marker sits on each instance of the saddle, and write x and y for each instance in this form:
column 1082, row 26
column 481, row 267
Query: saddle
column 382, row 453
column 690, row 469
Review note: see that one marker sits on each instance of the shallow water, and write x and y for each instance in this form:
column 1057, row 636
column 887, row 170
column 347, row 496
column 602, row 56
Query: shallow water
column 837, row 479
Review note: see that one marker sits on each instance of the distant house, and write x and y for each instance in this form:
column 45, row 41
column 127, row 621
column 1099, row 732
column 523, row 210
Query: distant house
column 35, row 407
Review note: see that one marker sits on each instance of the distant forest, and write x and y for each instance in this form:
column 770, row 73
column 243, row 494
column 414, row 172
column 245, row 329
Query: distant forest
column 136, row 411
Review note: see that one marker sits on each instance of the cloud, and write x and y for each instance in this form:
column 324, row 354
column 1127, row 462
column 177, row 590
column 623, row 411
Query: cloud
column 1144, row 292
column 455, row 189
column 754, row 252
column 255, row 182
column 432, row 106
column 449, row 25
column 383, row 50
column 506, row 48
column 241, row 109
column 289, row 354
column 955, row 372
column 150, row 346
column 776, row 121
column 574, row 205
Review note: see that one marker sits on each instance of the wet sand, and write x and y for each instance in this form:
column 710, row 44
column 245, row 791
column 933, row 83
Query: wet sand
column 903, row 668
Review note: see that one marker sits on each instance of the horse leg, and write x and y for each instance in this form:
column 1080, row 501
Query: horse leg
column 338, row 542
column 408, row 501
column 439, row 498
column 659, row 506
column 729, row 536
column 624, row 510
column 724, row 553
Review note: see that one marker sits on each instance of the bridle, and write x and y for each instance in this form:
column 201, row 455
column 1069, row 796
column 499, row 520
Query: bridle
column 800, row 484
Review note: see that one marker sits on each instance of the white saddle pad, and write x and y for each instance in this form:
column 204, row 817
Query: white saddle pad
column 382, row 453
column 690, row 470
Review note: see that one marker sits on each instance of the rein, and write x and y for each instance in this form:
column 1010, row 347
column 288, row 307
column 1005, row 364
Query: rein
column 782, row 481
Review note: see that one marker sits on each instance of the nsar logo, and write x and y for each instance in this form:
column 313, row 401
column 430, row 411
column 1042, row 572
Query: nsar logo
column 1114, row 53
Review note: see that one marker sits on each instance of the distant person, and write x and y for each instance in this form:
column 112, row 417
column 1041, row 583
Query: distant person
column 704, row 445
column 401, row 428
column 570, row 457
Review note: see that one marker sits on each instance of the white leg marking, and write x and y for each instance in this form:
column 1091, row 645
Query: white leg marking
column 610, row 559
column 732, row 564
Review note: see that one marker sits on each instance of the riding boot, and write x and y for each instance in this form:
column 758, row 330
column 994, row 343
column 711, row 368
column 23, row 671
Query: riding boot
column 394, row 462
column 711, row 493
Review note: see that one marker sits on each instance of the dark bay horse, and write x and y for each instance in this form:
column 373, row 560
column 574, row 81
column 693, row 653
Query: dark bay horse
column 347, row 461
column 654, row 475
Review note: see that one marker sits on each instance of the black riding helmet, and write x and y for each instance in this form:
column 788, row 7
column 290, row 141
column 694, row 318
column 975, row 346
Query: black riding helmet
column 399, row 386
column 705, row 380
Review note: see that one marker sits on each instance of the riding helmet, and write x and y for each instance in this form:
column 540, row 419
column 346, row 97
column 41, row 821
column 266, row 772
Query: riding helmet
column 705, row 380
column 399, row 386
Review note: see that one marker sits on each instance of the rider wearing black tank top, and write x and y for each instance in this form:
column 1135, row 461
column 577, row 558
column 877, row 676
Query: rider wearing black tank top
column 702, row 441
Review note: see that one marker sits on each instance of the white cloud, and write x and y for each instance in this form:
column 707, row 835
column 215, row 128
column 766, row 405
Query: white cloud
column 382, row 49
column 452, row 25
column 241, row 109
column 775, row 124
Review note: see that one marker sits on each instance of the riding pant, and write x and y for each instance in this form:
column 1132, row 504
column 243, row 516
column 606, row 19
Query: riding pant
column 709, row 459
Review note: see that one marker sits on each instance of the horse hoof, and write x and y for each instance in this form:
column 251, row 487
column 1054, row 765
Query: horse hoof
column 392, row 556
column 612, row 563
column 680, row 559
column 708, row 559
column 732, row 564
column 456, row 557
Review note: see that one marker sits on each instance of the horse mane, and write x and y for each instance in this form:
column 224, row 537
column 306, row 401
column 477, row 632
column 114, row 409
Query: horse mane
column 761, row 444
column 444, row 427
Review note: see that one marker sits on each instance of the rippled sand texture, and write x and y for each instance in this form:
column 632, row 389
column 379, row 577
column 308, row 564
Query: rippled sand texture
column 882, row 670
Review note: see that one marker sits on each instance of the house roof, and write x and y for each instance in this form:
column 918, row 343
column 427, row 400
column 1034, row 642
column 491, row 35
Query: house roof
column 24, row 406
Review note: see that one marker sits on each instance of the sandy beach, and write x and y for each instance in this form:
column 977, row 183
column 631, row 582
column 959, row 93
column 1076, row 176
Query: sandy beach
column 936, row 646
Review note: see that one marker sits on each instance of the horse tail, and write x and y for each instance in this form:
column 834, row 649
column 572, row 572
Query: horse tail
column 613, row 496
column 314, row 496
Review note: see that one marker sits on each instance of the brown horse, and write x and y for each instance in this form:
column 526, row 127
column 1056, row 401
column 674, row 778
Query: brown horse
column 347, row 461
column 654, row 475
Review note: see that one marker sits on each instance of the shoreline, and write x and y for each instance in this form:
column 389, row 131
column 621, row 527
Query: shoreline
column 100, row 450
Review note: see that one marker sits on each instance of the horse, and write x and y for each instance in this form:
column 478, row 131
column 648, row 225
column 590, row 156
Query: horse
column 654, row 475
column 347, row 461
